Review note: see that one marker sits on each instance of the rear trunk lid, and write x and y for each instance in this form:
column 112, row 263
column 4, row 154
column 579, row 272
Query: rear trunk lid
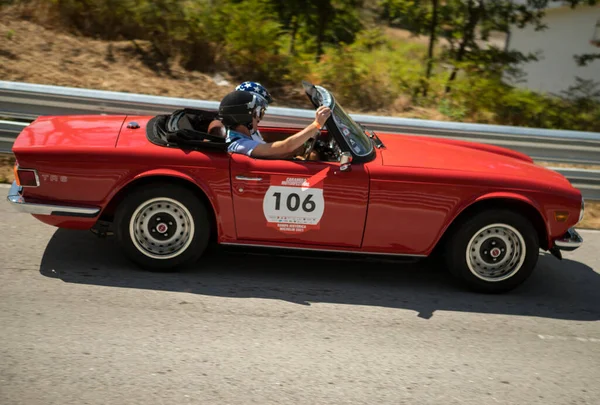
column 65, row 133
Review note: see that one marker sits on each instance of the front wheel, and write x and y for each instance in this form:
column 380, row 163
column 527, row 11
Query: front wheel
column 493, row 251
column 162, row 227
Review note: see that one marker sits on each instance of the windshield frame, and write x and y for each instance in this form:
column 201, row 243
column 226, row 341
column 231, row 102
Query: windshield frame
column 356, row 131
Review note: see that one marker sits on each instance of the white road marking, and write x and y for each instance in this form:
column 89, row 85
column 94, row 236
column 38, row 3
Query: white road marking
column 564, row 338
column 587, row 230
column 3, row 185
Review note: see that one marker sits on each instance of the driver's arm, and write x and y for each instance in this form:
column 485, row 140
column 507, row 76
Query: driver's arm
column 283, row 148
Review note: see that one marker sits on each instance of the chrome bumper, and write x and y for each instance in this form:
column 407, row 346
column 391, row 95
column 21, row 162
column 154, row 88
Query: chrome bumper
column 569, row 241
column 21, row 205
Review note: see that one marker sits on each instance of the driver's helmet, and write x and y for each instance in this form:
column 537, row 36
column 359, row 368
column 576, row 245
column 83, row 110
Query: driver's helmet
column 256, row 88
column 238, row 108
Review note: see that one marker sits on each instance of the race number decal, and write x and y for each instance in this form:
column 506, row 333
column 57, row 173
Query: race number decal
column 294, row 204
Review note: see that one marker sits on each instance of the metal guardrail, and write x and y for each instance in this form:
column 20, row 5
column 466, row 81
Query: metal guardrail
column 26, row 101
column 8, row 132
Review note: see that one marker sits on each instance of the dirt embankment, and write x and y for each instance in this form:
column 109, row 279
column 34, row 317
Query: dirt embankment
column 34, row 54
column 6, row 169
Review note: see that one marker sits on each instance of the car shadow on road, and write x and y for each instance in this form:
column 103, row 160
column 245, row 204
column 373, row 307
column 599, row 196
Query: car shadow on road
column 560, row 290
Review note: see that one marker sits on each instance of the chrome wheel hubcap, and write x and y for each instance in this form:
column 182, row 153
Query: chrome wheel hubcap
column 161, row 228
column 496, row 252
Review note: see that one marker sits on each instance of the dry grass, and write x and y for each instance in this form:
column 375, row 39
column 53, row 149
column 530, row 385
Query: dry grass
column 591, row 218
column 6, row 169
column 569, row 165
column 32, row 53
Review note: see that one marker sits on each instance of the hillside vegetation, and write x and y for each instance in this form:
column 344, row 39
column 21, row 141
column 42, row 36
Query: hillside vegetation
column 184, row 48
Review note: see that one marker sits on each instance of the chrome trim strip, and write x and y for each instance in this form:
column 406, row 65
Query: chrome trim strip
column 320, row 250
column 248, row 178
column 21, row 205
column 569, row 241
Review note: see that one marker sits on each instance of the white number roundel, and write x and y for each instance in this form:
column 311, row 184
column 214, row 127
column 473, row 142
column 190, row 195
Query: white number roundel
column 293, row 205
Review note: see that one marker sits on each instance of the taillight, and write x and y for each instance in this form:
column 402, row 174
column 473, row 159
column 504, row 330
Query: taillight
column 26, row 177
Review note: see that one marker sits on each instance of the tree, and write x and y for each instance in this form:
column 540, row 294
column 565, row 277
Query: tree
column 420, row 17
column 466, row 26
column 432, row 39
column 292, row 14
column 586, row 58
column 320, row 21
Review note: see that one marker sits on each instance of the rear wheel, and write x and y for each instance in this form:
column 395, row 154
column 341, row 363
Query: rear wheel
column 162, row 227
column 493, row 251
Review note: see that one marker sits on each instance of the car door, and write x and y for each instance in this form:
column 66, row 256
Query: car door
column 299, row 202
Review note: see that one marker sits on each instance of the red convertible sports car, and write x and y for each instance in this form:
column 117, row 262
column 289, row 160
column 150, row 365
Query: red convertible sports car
column 166, row 186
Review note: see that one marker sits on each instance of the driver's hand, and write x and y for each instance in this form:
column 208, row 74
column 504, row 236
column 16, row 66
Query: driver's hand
column 322, row 114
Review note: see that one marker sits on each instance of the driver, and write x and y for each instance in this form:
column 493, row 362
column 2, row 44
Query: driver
column 241, row 111
column 260, row 90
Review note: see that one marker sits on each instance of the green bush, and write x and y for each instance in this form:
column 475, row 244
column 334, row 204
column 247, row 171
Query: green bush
column 491, row 101
column 371, row 73
column 251, row 49
column 174, row 28
column 202, row 34
column 109, row 19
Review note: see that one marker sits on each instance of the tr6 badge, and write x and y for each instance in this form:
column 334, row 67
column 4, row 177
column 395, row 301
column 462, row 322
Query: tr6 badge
column 53, row 178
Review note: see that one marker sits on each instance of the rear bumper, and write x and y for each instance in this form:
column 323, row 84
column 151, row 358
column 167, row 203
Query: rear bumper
column 571, row 240
column 22, row 205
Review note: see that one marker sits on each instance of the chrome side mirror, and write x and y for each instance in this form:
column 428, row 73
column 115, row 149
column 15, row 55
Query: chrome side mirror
column 345, row 160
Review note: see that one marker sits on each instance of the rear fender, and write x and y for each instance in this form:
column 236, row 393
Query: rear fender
column 158, row 174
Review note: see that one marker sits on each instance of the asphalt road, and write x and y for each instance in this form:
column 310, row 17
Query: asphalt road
column 80, row 325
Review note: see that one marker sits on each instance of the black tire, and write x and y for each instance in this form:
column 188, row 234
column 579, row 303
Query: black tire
column 514, row 230
column 181, row 208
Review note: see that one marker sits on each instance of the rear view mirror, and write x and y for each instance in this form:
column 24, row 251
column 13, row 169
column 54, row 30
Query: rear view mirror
column 345, row 160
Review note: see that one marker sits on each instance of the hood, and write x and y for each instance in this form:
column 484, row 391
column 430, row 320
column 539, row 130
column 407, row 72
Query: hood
column 70, row 132
column 449, row 154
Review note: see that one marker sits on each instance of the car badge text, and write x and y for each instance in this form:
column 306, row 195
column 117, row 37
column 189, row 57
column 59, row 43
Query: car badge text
column 54, row 178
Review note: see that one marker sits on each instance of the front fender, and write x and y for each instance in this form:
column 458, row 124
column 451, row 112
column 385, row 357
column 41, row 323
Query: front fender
column 510, row 196
column 503, row 197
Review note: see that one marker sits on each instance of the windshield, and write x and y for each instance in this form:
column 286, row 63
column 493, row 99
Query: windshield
column 353, row 134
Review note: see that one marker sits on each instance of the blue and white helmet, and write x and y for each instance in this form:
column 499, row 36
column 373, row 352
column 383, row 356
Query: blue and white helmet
column 256, row 88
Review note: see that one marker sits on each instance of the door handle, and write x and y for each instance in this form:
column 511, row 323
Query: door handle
column 248, row 178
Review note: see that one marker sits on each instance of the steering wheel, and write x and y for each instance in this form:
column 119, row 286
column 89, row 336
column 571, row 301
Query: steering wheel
column 311, row 146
